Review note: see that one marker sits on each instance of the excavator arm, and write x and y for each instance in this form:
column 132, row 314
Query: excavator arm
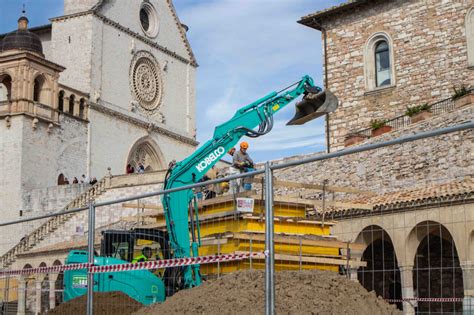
column 178, row 205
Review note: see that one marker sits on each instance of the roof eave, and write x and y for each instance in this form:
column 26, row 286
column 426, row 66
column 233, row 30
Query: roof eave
column 312, row 23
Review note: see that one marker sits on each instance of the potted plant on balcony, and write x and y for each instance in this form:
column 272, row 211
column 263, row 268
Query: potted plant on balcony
column 419, row 113
column 354, row 138
column 462, row 96
column 379, row 127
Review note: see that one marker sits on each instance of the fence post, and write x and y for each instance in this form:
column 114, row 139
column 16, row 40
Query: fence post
column 90, row 259
column 269, row 245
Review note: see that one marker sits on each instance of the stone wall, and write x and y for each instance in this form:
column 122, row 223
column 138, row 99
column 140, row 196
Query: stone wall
column 32, row 158
column 50, row 199
column 112, row 140
column 106, row 217
column 429, row 53
column 71, row 48
column 415, row 164
column 75, row 6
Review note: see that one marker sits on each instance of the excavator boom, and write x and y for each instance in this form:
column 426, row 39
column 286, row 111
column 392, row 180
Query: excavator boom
column 189, row 171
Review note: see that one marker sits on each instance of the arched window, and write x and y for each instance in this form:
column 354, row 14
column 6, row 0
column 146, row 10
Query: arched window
column 470, row 37
column 61, row 101
column 5, row 88
column 71, row 104
column 379, row 62
column 382, row 63
column 61, row 179
column 37, row 89
column 82, row 105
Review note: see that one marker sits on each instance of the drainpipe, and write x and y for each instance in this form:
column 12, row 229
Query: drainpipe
column 326, row 84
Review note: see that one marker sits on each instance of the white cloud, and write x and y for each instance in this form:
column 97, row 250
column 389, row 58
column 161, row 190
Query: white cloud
column 246, row 49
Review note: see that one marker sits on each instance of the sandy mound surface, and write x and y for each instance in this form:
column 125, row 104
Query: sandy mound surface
column 115, row 303
column 297, row 292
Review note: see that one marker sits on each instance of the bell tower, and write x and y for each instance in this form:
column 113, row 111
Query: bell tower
column 29, row 119
column 28, row 81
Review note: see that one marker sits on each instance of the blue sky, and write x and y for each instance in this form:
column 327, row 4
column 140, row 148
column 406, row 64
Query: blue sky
column 245, row 49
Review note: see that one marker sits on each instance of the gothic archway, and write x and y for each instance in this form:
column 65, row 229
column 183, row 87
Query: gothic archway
column 146, row 152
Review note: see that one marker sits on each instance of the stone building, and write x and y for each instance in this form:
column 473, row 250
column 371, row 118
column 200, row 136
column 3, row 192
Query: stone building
column 384, row 56
column 107, row 84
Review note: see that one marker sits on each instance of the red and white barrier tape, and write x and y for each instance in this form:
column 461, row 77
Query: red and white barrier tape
column 425, row 300
column 166, row 263
column 51, row 269
column 176, row 262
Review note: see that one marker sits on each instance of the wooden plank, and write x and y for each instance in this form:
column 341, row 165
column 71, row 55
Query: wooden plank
column 138, row 219
column 296, row 241
column 206, row 217
column 225, row 198
column 309, row 202
column 328, row 188
column 141, row 206
column 314, row 259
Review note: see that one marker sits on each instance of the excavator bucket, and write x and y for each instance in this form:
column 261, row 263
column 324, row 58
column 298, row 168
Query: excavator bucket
column 313, row 105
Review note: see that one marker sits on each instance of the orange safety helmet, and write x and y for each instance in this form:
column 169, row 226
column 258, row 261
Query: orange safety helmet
column 244, row 145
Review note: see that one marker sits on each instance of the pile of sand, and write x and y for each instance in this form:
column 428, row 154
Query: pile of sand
column 116, row 303
column 297, row 292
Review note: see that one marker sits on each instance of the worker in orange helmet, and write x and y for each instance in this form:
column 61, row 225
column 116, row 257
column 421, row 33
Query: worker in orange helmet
column 242, row 161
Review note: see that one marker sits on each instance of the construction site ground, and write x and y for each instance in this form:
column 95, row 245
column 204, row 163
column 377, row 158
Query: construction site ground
column 297, row 292
column 116, row 303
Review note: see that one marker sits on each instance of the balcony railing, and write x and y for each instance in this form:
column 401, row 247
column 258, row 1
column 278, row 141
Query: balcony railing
column 402, row 121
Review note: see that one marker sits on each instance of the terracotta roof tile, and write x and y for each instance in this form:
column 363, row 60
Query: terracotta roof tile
column 331, row 10
column 431, row 192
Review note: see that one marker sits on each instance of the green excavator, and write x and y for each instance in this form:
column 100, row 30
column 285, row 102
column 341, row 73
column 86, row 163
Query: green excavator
column 120, row 247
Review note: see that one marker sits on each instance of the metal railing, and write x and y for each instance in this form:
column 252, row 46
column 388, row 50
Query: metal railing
column 402, row 121
column 268, row 188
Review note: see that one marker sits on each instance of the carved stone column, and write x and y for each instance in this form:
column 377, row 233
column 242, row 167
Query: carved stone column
column 52, row 290
column 406, row 274
column 468, row 282
column 21, row 296
column 38, row 283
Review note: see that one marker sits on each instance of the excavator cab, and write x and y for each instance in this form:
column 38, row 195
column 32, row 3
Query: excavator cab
column 315, row 103
column 120, row 247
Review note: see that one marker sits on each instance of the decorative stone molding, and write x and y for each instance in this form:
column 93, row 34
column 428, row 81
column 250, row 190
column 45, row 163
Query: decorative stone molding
column 470, row 36
column 369, row 61
column 151, row 25
column 34, row 123
column 107, row 111
column 50, row 128
column 145, row 81
column 191, row 61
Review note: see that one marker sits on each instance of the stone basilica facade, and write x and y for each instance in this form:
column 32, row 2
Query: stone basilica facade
column 107, row 84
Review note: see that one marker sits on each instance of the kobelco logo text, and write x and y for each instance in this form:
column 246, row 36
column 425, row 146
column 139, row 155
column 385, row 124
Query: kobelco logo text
column 210, row 158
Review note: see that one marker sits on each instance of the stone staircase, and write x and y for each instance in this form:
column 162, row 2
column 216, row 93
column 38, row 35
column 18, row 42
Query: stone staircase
column 52, row 224
column 31, row 240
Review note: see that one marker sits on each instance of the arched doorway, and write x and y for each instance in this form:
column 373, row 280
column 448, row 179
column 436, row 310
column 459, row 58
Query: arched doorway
column 381, row 274
column 437, row 272
column 146, row 152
